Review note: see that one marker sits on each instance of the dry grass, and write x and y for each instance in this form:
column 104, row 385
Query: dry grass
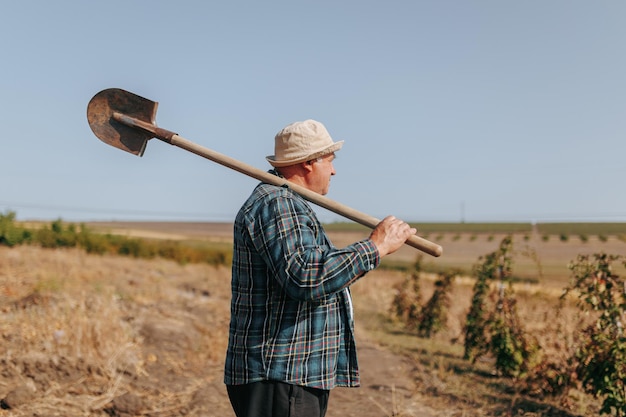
column 86, row 335
column 79, row 331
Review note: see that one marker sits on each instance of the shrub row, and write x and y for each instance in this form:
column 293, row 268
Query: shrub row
column 60, row 235
column 593, row 359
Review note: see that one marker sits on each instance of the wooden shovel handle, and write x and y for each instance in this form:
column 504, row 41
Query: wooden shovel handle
column 318, row 199
column 147, row 110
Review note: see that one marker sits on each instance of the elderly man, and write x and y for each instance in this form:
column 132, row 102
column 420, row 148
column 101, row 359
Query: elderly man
column 291, row 334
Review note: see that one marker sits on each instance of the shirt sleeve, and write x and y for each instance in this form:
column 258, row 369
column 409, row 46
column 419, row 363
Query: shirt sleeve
column 303, row 261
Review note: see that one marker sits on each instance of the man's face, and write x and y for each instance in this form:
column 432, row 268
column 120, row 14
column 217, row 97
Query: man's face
column 321, row 171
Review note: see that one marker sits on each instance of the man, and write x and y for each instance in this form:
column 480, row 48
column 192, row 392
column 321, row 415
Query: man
column 291, row 331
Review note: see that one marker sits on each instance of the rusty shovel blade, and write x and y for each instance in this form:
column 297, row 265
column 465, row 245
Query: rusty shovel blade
column 100, row 115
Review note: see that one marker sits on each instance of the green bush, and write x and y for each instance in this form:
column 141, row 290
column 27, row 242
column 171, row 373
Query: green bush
column 57, row 236
column 406, row 305
column 433, row 316
column 601, row 355
column 495, row 327
column 10, row 233
column 94, row 243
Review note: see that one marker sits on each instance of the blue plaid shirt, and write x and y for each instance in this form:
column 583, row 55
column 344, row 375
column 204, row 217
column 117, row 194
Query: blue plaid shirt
column 291, row 312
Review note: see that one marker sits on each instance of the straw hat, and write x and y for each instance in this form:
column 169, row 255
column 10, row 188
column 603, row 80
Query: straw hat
column 300, row 142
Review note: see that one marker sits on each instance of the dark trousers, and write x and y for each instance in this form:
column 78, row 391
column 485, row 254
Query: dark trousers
column 277, row 399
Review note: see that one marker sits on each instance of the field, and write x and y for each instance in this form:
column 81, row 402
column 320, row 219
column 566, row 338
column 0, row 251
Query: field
column 104, row 335
column 542, row 251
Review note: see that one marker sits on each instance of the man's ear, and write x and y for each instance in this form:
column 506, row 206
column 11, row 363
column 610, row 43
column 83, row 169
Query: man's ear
column 307, row 166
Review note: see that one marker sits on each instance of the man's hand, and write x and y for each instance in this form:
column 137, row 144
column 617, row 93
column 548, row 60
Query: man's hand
column 390, row 234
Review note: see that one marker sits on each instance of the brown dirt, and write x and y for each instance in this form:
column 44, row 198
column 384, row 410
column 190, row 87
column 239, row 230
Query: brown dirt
column 387, row 387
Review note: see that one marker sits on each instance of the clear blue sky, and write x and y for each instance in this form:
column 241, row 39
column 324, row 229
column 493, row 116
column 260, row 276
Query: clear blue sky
column 450, row 110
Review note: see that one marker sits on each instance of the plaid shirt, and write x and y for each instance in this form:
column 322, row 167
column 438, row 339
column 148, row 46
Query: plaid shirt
column 291, row 312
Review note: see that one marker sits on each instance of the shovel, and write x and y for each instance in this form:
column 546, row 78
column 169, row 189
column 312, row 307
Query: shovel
column 127, row 121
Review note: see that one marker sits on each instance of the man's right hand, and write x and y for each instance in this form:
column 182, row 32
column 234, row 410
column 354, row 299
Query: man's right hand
column 390, row 234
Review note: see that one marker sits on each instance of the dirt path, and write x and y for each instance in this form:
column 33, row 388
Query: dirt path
column 386, row 388
column 386, row 391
